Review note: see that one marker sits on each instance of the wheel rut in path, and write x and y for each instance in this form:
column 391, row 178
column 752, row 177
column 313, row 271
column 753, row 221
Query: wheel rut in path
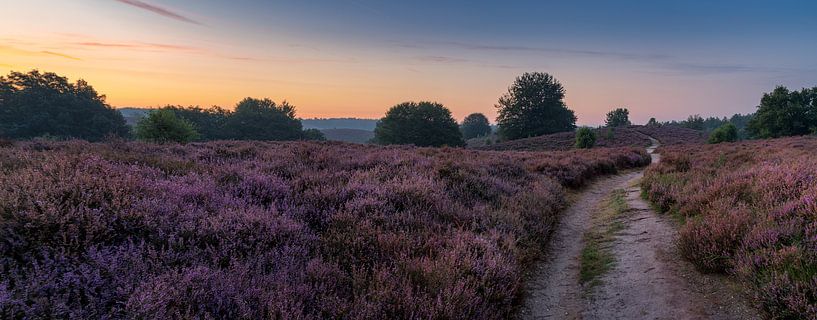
column 648, row 280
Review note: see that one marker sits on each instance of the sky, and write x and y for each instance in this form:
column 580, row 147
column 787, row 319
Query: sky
column 357, row 58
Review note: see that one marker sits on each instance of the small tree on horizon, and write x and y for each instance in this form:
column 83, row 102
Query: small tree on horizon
column 423, row 124
column 475, row 125
column 618, row 118
column 163, row 126
column 533, row 106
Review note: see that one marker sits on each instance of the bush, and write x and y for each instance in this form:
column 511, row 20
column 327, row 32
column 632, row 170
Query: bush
column 424, row 124
column 725, row 133
column 296, row 230
column 784, row 113
column 314, row 135
column 163, row 126
column 585, row 138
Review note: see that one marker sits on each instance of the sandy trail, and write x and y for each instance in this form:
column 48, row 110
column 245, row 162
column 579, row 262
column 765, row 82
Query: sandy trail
column 649, row 279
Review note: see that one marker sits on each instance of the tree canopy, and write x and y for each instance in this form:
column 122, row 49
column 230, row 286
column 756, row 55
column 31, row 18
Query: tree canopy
column 585, row 138
column 475, row 125
column 163, row 126
column 618, row 118
column 209, row 123
column 36, row 104
column 263, row 119
column 728, row 132
column 424, row 124
column 533, row 106
column 785, row 113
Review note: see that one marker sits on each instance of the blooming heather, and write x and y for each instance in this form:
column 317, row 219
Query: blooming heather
column 277, row 230
column 751, row 211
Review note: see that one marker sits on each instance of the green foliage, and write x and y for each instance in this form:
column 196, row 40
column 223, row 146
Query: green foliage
column 37, row 104
column 585, row 138
column 725, row 133
column 209, row 123
column 785, row 113
column 314, row 135
column 695, row 122
column 618, row 118
column 163, row 126
column 534, row 106
column 425, row 124
column 263, row 119
column 475, row 125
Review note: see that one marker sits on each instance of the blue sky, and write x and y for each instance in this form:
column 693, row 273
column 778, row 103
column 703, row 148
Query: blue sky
column 666, row 59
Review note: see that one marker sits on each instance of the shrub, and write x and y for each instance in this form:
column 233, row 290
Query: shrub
column 751, row 213
column 585, row 138
column 263, row 119
column 424, row 124
column 162, row 126
column 295, row 230
column 725, row 133
column 314, row 135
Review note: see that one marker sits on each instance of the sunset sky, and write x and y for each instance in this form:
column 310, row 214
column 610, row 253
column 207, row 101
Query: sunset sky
column 356, row 58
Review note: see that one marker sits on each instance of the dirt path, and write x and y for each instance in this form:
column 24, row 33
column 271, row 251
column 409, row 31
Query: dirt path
column 648, row 280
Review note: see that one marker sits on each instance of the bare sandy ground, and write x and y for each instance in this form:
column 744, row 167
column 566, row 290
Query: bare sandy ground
column 649, row 279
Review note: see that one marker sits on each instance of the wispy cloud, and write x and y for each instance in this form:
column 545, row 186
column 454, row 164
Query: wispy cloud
column 159, row 10
column 440, row 59
column 139, row 45
column 24, row 52
column 516, row 48
column 60, row 55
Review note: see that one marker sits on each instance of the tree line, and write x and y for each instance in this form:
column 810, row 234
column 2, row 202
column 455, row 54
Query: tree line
column 38, row 104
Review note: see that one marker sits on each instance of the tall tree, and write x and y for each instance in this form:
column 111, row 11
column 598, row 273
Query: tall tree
column 533, row 106
column 475, row 125
column 785, row 113
column 35, row 104
column 263, row 119
column 618, row 118
column 209, row 123
column 424, row 124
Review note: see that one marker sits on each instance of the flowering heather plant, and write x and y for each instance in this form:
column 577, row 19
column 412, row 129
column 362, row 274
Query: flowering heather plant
column 752, row 212
column 277, row 230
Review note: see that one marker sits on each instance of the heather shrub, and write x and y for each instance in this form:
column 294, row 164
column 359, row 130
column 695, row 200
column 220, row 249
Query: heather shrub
column 752, row 213
column 277, row 230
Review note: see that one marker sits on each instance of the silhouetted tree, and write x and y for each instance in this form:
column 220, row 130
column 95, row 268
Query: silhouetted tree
column 652, row 123
column 618, row 118
column 475, row 125
column 209, row 123
column 425, row 124
column 314, row 135
column 694, row 122
column 263, row 119
column 585, row 138
column 163, row 126
column 533, row 106
column 36, row 104
column 725, row 133
column 785, row 113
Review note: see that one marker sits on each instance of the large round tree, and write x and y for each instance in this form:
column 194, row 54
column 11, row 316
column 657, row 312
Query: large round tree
column 533, row 106
column 424, row 124
column 36, row 104
column 263, row 119
column 475, row 125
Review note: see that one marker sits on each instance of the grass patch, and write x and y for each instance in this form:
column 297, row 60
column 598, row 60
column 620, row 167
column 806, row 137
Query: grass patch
column 596, row 258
